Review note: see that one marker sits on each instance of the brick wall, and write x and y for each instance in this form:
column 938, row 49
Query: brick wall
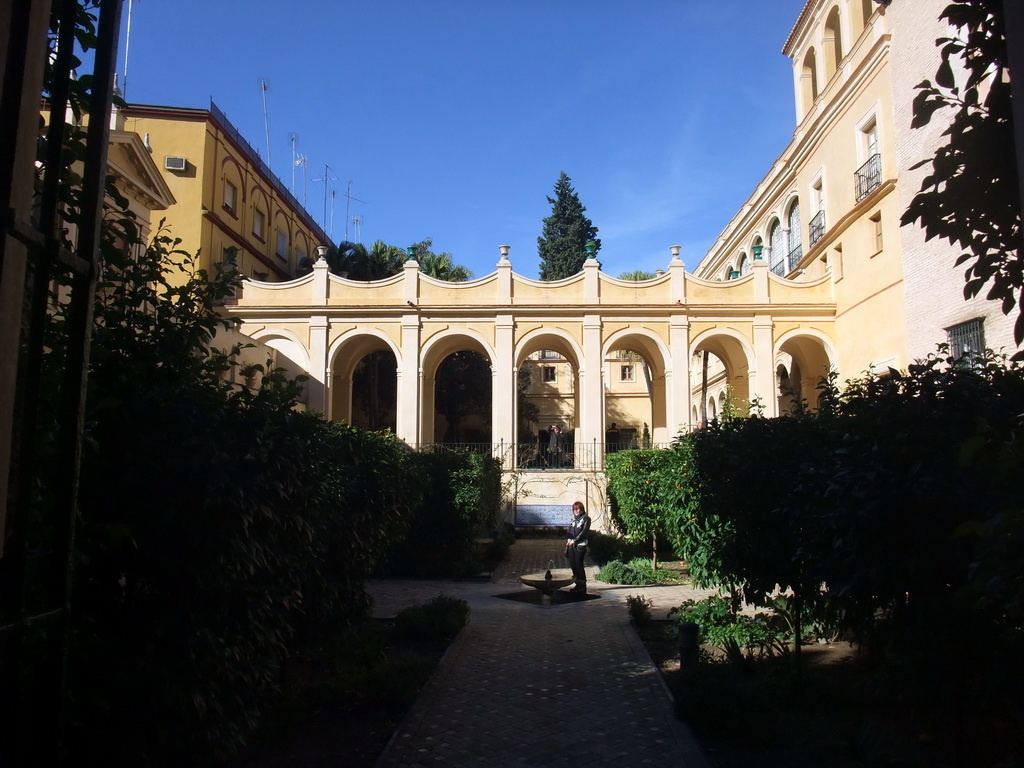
column 933, row 284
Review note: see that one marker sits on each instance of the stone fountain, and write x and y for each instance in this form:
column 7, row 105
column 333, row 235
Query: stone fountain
column 548, row 582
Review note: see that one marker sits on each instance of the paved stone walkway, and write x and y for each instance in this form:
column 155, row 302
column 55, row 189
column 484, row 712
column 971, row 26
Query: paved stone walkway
column 534, row 686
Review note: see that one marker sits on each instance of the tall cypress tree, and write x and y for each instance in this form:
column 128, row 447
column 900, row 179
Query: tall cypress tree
column 566, row 232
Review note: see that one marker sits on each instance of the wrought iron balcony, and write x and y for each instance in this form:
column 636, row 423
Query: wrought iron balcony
column 816, row 228
column 868, row 177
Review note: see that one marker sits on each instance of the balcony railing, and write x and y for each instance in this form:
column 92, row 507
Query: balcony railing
column 817, row 228
column 868, row 177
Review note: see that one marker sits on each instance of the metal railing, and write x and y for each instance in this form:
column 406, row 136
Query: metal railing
column 868, row 177
column 795, row 255
column 816, row 228
column 587, row 457
column 779, row 267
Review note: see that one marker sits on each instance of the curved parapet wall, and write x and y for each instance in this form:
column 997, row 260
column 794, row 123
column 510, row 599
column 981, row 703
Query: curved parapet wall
column 507, row 317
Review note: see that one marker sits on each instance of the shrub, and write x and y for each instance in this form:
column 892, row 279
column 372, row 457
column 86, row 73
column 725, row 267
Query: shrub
column 439, row 619
column 639, row 608
column 603, row 548
column 460, row 494
column 737, row 635
column 638, row 572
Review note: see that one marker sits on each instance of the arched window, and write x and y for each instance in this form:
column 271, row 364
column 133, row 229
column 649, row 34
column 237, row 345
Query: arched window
column 795, row 236
column 777, row 260
column 867, row 7
column 743, row 265
column 833, row 43
column 809, row 79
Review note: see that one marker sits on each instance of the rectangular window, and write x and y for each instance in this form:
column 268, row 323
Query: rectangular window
column 966, row 340
column 300, row 257
column 259, row 223
column 627, row 373
column 230, row 196
column 282, row 245
column 548, row 372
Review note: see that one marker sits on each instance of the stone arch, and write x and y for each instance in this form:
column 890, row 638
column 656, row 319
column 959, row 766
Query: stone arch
column 432, row 354
column 832, row 43
column 809, row 79
column 737, row 355
column 560, row 402
column 811, row 355
column 288, row 345
column 344, row 356
column 656, row 356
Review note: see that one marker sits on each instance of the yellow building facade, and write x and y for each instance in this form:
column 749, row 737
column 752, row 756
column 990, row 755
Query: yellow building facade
column 230, row 206
column 830, row 206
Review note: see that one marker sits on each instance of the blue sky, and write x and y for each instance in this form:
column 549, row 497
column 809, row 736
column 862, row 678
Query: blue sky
column 453, row 118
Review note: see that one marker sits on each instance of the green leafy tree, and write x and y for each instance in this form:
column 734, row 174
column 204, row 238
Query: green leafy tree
column 637, row 275
column 971, row 198
column 637, row 494
column 356, row 262
column 463, row 391
column 566, row 232
column 440, row 265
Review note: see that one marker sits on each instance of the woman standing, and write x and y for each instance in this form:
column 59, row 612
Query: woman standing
column 576, row 546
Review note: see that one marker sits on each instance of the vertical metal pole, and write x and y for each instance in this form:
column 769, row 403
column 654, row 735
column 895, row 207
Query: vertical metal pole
column 80, row 315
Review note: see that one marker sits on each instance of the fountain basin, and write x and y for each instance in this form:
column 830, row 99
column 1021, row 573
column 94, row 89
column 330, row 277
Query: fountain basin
column 548, row 582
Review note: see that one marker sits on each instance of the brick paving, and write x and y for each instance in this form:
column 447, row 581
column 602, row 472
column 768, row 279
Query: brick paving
column 538, row 686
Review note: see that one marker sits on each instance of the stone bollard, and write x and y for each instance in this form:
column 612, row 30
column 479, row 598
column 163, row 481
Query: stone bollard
column 689, row 644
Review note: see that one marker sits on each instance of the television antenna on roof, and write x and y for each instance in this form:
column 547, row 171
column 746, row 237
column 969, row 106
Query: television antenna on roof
column 348, row 202
column 293, row 137
column 266, row 120
column 327, row 178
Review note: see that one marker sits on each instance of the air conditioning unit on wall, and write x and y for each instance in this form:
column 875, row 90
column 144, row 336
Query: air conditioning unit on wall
column 175, row 163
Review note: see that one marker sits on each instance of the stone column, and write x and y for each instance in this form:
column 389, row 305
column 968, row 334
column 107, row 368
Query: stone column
column 317, row 388
column 762, row 372
column 408, row 425
column 591, row 427
column 503, row 388
column 677, row 375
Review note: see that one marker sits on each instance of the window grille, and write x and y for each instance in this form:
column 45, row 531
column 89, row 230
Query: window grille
column 778, row 253
column 795, row 235
column 966, row 340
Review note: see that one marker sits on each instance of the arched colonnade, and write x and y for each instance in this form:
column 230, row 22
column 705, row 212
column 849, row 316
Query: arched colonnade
column 325, row 325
